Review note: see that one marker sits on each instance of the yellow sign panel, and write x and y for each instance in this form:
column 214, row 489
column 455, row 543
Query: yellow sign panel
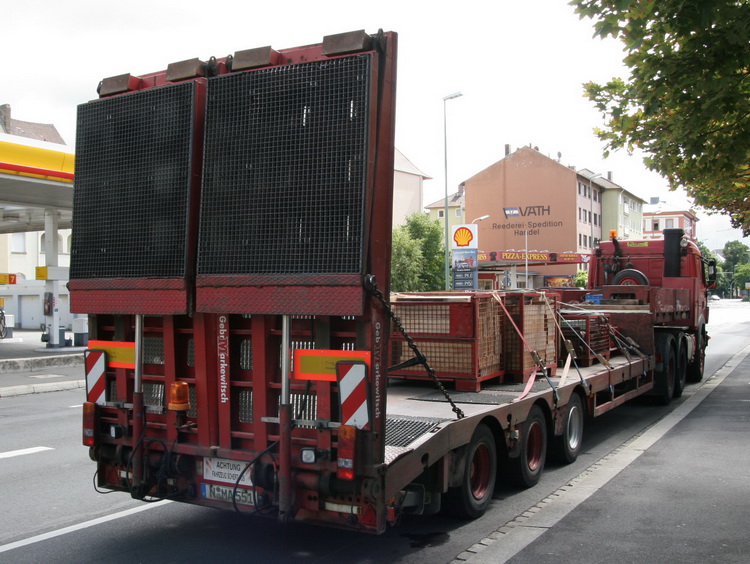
column 41, row 273
column 637, row 244
column 315, row 364
column 120, row 354
column 7, row 278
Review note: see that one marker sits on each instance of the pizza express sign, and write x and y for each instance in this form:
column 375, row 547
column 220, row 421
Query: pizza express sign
column 527, row 220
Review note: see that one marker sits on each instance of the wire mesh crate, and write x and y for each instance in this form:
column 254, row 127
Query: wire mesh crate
column 460, row 334
column 589, row 335
column 534, row 315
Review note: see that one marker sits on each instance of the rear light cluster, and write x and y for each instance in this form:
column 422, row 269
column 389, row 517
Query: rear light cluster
column 89, row 422
column 347, row 452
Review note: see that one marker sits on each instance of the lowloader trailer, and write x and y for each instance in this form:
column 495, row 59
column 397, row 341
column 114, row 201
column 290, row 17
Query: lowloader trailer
column 231, row 246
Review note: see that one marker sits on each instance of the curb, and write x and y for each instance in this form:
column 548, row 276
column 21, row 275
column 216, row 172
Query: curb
column 30, row 364
column 26, row 389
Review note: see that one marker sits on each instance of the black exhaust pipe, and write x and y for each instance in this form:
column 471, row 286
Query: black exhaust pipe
column 672, row 251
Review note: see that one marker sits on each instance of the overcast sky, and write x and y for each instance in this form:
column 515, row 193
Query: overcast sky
column 520, row 65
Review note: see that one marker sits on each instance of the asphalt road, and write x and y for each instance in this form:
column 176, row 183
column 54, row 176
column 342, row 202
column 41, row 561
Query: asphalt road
column 52, row 514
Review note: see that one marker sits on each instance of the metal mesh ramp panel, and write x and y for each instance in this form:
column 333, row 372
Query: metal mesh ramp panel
column 133, row 189
column 402, row 430
column 133, row 169
column 285, row 166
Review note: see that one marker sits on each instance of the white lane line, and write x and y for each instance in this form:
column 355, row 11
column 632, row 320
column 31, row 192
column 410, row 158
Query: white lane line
column 81, row 526
column 74, row 406
column 12, row 453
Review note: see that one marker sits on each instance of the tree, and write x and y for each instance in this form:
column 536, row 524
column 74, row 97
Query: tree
column 581, row 279
column 741, row 276
column 430, row 235
column 686, row 103
column 407, row 262
column 735, row 253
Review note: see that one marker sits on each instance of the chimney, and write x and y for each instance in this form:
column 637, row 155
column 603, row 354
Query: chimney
column 5, row 118
column 609, row 175
column 507, row 149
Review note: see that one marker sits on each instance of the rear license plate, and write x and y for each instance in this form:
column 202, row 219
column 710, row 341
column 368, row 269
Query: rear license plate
column 224, row 493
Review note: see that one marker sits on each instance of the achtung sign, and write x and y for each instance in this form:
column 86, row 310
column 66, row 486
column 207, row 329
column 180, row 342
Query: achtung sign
column 315, row 364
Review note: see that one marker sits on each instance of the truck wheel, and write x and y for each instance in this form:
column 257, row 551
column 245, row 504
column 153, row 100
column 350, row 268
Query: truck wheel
column 567, row 446
column 695, row 367
column 471, row 499
column 630, row 277
column 665, row 378
column 527, row 468
column 681, row 367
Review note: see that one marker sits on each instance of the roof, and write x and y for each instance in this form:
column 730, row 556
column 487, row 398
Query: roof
column 402, row 164
column 31, row 130
column 606, row 184
column 454, row 200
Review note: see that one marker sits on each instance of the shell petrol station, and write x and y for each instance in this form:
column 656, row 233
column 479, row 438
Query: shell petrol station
column 36, row 194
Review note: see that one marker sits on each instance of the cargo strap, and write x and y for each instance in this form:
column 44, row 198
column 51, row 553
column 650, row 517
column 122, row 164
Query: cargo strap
column 372, row 287
column 534, row 355
column 571, row 358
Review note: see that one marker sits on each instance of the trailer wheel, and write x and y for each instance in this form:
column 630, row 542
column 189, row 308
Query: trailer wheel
column 567, row 446
column 527, row 468
column 471, row 499
column 665, row 379
column 695, row 367
column 681, row 367
column 630, row 277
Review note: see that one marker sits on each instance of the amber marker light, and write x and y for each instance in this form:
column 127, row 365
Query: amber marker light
column 179, row 396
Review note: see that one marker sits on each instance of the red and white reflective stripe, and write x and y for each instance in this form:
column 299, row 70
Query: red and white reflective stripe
column 353, row 390
column 96, row 369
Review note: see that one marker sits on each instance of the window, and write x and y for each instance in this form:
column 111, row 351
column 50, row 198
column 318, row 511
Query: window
column 669, row 223
column 656, row 226
column 596, row 219
column 596, row 196
column 441, row 213
column 589, row 217
column 579, row 240
column 458, row 212
column 18, row 243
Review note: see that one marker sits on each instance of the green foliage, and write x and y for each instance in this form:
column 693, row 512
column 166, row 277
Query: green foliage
column 741, row 277
column 735, row 253
column 406, row 262
column 430, row 235
column 581, row 279
column 686, row 103
column 417, row 261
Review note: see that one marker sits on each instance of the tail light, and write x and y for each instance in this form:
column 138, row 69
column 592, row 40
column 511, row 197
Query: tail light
column 89, row 423
column 347, row 451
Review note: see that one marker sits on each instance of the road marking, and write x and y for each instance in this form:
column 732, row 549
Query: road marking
column 44, row 376
column 32, row 450
column 81, row 526
column 514, row 536
column 74, row 406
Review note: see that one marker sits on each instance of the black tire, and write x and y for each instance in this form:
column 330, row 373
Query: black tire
column 567, row 446
column 665, row 378
column 3, row 327
column 695, row 367
column 630, row 277
column 527, row 468
column 471, row 499
column 681, row 367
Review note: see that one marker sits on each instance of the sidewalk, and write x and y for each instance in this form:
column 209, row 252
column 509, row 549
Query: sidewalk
column 674, row 493
column 27, row 366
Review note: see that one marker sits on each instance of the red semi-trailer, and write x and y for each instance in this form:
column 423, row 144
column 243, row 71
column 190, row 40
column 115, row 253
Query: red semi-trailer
column 232, row 230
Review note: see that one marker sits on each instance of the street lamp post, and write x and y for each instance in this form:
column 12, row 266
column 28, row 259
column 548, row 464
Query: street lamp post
column 482, row 218
column 445, row 211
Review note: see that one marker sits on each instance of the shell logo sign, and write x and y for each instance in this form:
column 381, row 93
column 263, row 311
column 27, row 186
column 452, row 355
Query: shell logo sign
column 462, row 237
column 465, row 236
